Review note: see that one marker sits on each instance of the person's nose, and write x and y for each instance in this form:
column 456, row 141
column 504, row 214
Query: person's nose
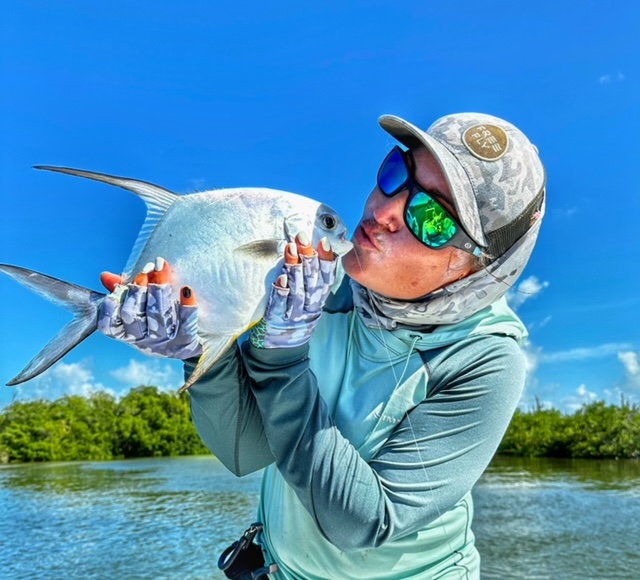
column 387, row 211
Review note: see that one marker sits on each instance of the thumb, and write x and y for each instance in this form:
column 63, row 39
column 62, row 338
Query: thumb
column 110, row 280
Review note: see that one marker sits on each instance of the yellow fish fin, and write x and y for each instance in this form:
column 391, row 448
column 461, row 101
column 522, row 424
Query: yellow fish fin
column 212, row 351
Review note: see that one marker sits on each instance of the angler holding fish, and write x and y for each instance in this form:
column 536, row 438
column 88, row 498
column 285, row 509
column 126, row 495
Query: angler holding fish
column 373, row 403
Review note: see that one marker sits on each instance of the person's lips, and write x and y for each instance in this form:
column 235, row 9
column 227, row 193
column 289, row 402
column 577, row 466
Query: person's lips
column 365, row 236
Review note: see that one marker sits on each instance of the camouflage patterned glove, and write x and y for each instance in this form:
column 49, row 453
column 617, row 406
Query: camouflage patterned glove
column 296, row 302
column 149, row 318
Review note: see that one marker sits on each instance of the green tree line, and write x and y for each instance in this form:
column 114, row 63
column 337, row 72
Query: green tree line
column 595, row 431
column 146, row 422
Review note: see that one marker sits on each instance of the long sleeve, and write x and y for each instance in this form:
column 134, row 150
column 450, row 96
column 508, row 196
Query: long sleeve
column 432, row 459
column 226, row 417
column 224, row 409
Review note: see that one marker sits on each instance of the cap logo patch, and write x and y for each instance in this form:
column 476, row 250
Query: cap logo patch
column 486, row 142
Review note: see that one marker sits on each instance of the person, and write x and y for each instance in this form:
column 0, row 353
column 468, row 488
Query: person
column 375, row 408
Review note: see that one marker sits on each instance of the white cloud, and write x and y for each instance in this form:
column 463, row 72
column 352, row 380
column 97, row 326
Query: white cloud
column 78, row 379
column 532, row 356
column 631, row 364
column 162, row 375
column 563, row 213
column 527, row 289
column 582, row 396
column 544, row 321
column 610, row 78
column 554, row 395
column 535, row 325
column 63, row 379
column 573, row 354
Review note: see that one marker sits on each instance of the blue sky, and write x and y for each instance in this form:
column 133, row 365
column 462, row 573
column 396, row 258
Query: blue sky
column 287, row 95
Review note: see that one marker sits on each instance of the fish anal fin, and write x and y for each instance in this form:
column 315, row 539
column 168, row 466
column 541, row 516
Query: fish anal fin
column 212, row 351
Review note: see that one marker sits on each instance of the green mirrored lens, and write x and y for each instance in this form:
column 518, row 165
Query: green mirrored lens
column 429, row 221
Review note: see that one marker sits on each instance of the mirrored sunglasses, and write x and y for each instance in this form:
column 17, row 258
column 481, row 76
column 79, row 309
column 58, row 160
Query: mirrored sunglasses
column 427, row 219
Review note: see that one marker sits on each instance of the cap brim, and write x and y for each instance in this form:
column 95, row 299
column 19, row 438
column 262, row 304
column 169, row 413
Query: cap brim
column 459, row 183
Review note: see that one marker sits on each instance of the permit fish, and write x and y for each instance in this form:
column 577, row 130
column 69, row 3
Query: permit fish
column 227, row 244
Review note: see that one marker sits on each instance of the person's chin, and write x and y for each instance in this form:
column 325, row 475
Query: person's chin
column 354, row 264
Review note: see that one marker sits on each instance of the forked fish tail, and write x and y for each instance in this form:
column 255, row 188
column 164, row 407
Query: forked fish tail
column 81, row 302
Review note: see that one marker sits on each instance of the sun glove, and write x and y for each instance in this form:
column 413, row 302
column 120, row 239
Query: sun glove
column 151, row 320
column 293, row 312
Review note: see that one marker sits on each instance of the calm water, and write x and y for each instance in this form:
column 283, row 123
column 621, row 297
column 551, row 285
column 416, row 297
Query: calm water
column 170, row 518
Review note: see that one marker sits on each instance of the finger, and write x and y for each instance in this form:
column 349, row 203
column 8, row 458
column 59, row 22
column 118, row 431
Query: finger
column 312, row 285
column 186, row 342
column 109, row 314
column 304, row 245
column 110, row 280
column 296, row 290
column 161, row 312
column 324, row 250
column 161, row 273
column 282, row 281
column 187, row 296
column 142, row 279
column 133, row 312
column 277, row 305
column 291, row 255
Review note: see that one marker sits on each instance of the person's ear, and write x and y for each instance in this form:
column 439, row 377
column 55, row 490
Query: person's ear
column 460, row 264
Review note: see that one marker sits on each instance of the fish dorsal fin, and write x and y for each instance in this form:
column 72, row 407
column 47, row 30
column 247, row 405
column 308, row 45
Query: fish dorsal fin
column 157, row 198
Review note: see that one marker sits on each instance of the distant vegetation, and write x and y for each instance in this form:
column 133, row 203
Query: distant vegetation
column 145, row 423
column 151, row 423
column 596, row 431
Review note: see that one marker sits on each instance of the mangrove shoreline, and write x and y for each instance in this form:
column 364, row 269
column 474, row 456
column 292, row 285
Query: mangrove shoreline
column 148, row 422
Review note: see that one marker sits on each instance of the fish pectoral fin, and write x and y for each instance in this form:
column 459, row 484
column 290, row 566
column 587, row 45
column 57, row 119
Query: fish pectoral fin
column 263, row 249
column 213, row 349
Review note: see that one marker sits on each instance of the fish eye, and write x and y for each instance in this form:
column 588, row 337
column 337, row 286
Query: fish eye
column 328, row 221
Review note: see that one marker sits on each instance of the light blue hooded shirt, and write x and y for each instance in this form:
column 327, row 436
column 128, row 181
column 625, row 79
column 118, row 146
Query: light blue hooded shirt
column 373, row 442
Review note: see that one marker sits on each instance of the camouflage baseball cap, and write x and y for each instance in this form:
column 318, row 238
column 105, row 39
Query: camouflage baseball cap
column 495, row 174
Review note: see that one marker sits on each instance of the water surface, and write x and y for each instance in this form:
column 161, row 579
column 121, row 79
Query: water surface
column 171, row 518
column 545, row 518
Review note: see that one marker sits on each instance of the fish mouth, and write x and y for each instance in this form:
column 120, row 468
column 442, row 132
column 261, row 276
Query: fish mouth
column 345, row 243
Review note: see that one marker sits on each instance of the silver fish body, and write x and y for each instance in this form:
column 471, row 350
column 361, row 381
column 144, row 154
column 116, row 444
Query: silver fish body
column 226, row 244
